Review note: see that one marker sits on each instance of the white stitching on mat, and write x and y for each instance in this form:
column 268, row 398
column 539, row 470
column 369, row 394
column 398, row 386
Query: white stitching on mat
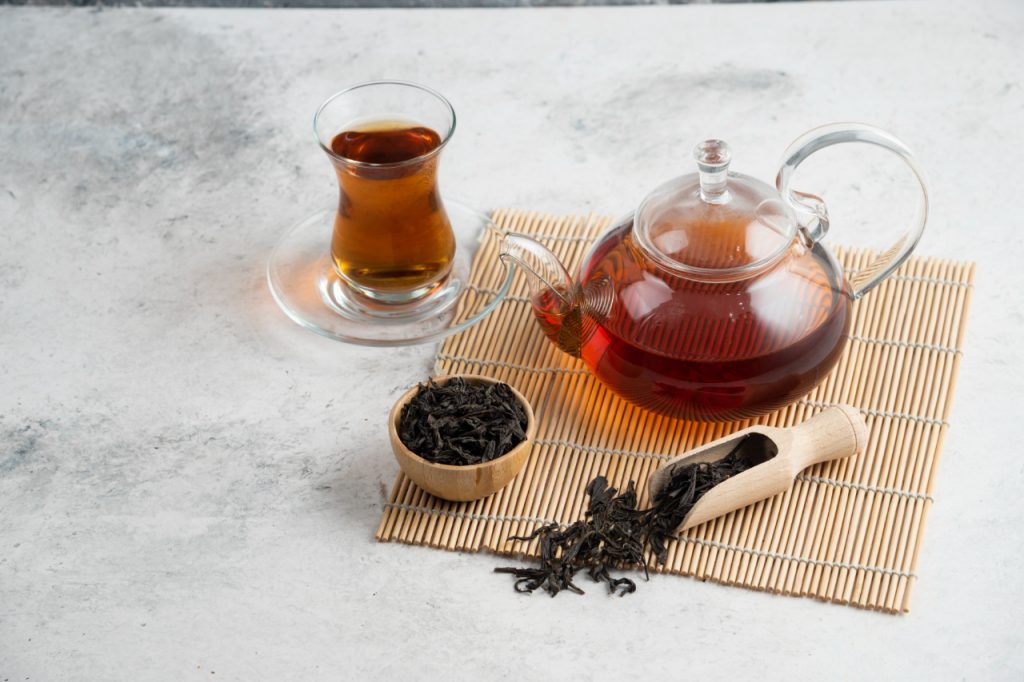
column 464, row 515
column 933, row 280
column 905, row 344
column 789, row 557
column 600, row 450
column 569, row 370
column 556, row 237
column 852, row 337
column 510, row 365
column 525, row 299
column 864, row 487
column 697, row 541
column 502, row 231
column 801, row 477
column 923, row 280
column 882, row 413
column 849, row 271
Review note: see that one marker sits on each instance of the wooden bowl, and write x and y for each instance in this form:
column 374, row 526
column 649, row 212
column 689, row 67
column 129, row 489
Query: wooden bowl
column 461, row 483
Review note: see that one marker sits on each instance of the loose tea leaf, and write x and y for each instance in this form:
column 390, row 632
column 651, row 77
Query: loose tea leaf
column 461, row 422
column 611, row 533
column 614, row 532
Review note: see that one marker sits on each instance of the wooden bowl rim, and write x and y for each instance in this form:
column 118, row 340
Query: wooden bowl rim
column 396, row 412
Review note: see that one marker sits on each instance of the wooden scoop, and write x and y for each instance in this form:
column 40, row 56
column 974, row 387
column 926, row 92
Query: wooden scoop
column 775, row 457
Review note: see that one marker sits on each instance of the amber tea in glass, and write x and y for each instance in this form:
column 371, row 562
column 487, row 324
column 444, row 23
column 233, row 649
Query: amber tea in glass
column 388, row 262
column 392, row 241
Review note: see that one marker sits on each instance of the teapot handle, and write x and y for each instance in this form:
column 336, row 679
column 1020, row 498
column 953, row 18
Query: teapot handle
column 816, row 228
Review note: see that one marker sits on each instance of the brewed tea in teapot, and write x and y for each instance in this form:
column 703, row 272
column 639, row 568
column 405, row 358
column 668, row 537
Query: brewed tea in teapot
column 716, row 299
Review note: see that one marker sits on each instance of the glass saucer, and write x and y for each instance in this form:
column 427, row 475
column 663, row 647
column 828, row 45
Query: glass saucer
column 305, row 285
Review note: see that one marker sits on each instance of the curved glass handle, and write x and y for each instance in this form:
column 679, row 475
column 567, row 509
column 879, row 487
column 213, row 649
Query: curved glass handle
column 817, row 226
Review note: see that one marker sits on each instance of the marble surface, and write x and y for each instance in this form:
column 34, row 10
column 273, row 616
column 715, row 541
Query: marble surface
column 189, row 483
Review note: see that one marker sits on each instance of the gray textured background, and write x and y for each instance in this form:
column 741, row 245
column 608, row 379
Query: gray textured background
column 371, row 3
column 189, row 482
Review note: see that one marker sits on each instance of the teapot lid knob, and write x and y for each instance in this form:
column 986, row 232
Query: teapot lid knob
column 713, row 157
column 715, row 225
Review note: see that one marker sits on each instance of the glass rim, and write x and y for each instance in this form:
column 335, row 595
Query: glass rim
column 366, row 164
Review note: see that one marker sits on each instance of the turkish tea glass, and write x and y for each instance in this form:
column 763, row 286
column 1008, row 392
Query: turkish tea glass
column 388, row 262
column 392, row 242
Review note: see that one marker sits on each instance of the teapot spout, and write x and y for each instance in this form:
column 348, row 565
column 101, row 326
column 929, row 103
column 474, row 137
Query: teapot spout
column 545, row 274
column 553, row 294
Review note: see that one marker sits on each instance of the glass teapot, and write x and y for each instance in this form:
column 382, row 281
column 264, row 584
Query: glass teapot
column 716, row 299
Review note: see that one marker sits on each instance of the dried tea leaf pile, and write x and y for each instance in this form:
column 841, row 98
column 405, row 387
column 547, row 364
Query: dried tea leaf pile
column 461, row 422
column 614, row 532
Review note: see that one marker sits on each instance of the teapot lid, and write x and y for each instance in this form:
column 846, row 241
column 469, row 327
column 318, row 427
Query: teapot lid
column 714, row 225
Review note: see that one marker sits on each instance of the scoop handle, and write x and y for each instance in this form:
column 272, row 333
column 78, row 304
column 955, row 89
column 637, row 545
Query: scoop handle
column 837, row 431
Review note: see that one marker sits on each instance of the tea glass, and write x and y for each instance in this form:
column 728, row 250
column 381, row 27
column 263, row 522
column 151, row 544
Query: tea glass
column 397, row 262
column 393, row 243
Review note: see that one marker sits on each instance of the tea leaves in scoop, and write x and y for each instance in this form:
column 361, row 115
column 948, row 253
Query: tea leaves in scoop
column 688, row 484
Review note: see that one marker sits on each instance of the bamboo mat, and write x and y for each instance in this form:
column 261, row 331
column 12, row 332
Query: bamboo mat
column 848, row 532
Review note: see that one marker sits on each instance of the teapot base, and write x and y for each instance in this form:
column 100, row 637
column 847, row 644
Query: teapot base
column 718, row 390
